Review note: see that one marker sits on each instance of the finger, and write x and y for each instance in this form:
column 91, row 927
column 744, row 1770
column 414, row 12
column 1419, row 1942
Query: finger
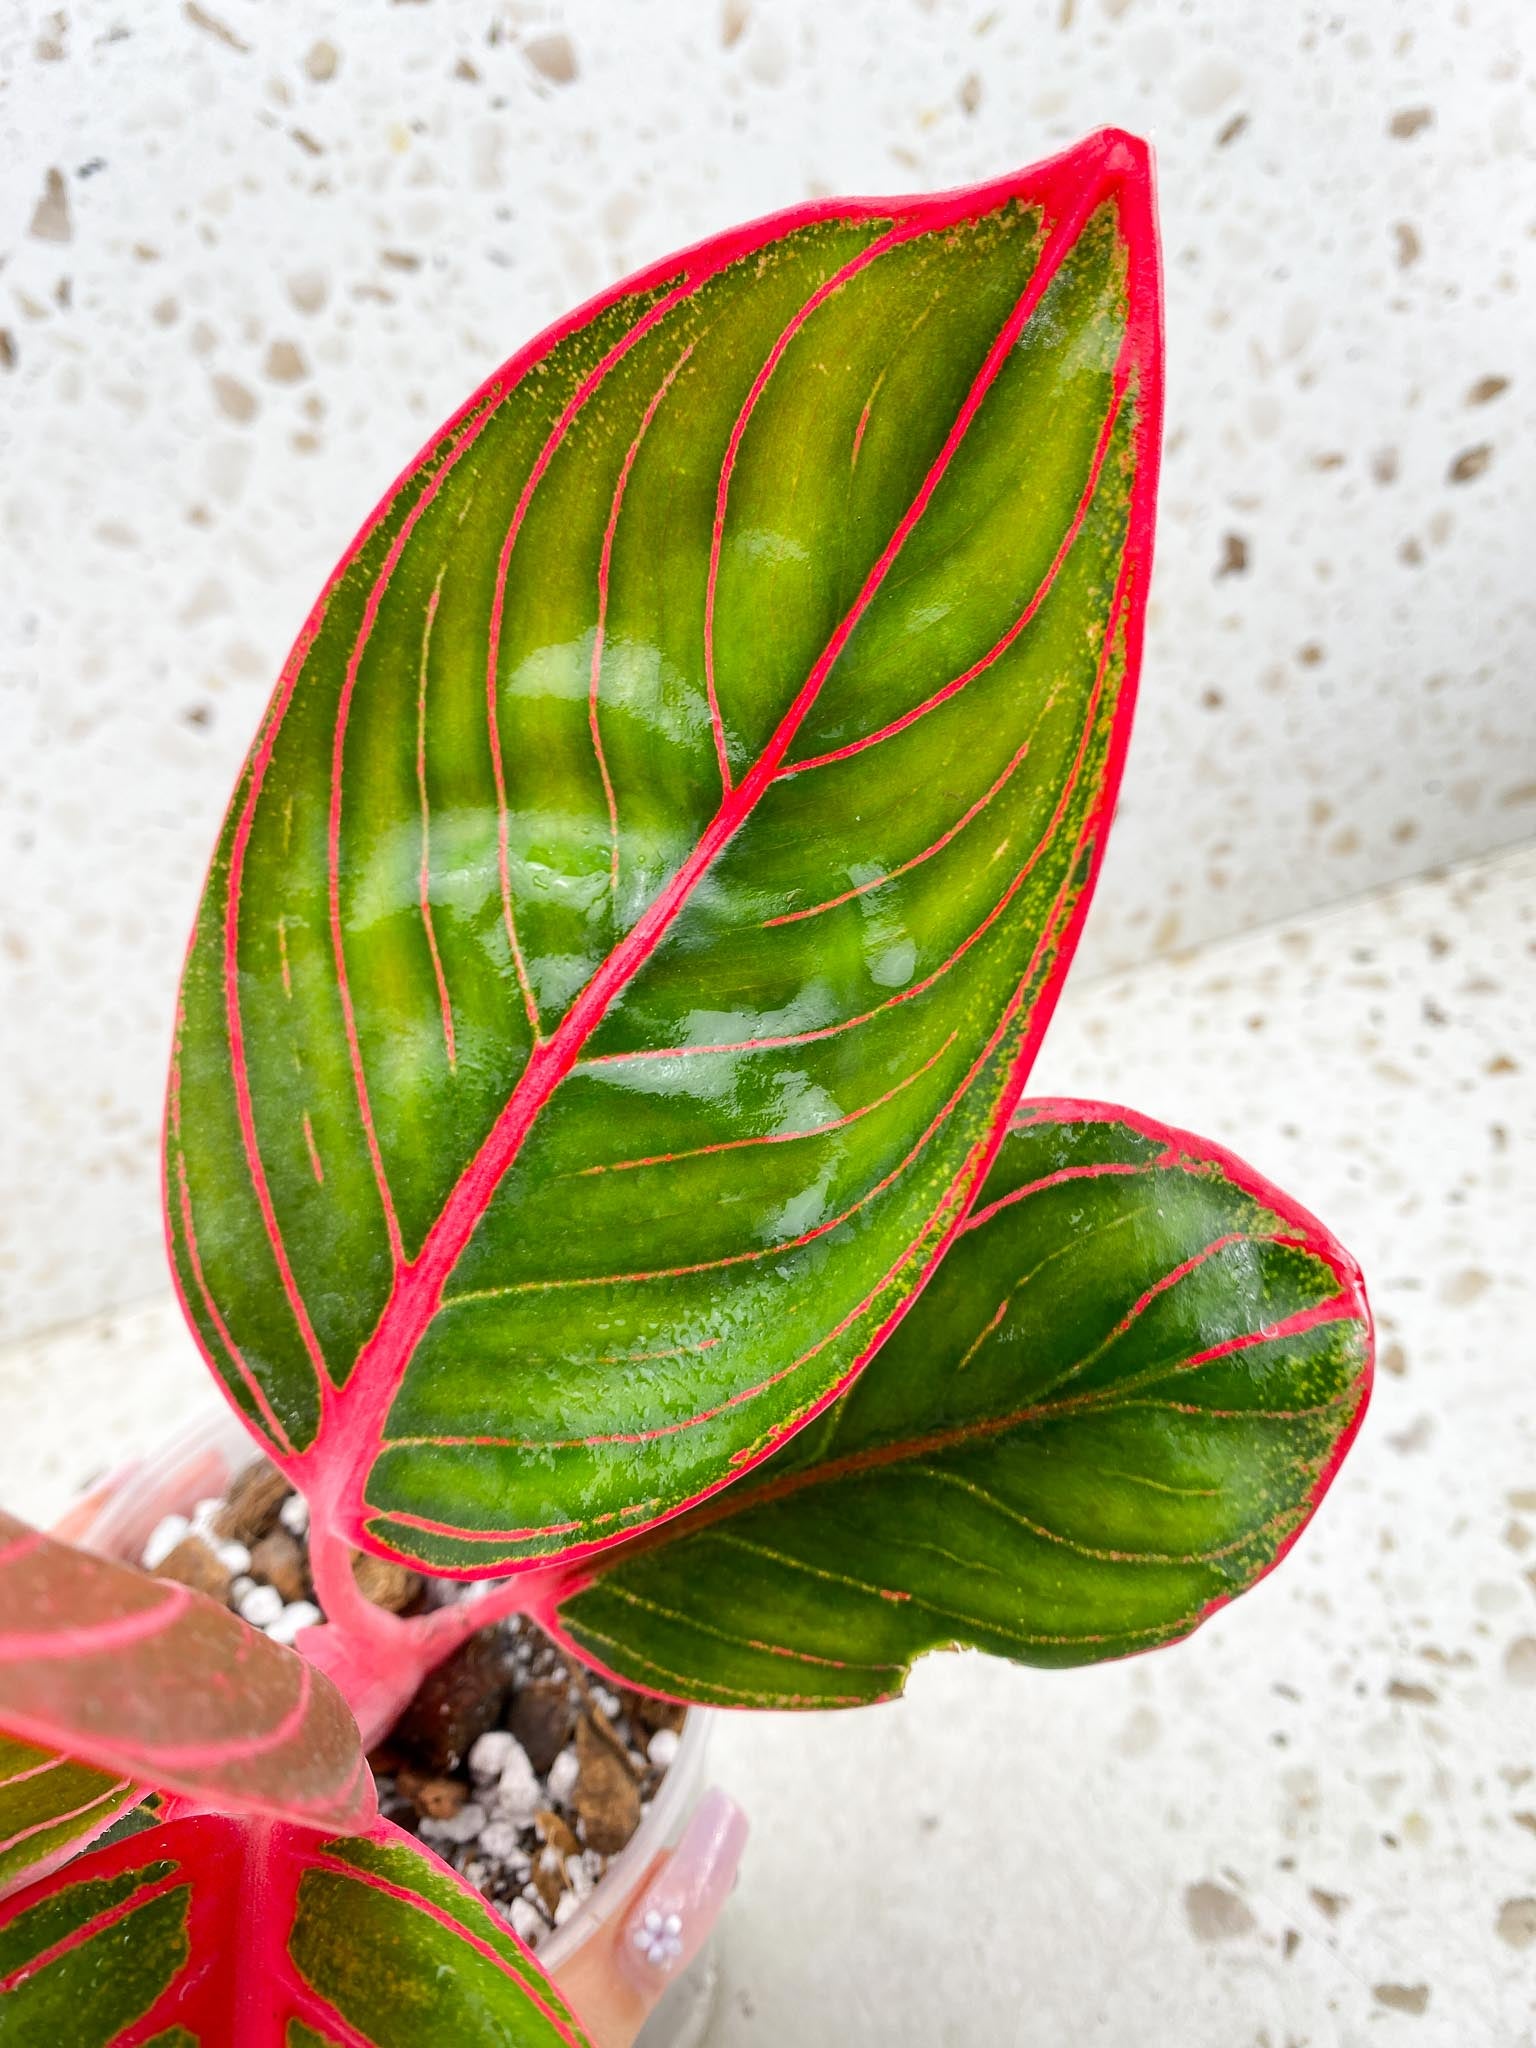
column 615, row 1979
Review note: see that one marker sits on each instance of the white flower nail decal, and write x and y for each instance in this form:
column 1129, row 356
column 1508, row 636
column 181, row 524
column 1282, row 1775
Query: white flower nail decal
column 659, row 1938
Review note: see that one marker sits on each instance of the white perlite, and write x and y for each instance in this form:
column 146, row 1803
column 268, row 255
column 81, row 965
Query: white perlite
column 163, row 1539
column 499, row 1839
column 563, row 1773
column 294, row 1514
column 527, row 1921
column 298, row 1614
column 489, row 1753
column 518, row 1792
column 462, row 1826
column 261, row 1606
column 662, row 1747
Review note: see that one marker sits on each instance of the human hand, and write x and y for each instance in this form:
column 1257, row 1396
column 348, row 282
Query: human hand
column 619, row 1973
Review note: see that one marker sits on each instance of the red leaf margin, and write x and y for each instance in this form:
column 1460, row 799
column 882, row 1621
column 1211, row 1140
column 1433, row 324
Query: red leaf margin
column 1181, row 1148
column 1109, row 164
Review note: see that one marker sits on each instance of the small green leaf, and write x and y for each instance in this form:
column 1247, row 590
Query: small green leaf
column 220, row 1933
column 1115, row 1407
column 51, row 1806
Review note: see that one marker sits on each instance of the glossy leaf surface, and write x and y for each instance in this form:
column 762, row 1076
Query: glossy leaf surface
column 633, row 924
column 50, row 1807
column 219, row 1933
column 1115, row 1407
column 160, row 1686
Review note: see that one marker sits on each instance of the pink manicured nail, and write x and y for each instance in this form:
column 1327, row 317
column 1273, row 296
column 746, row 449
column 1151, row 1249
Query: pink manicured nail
column 671, row 1920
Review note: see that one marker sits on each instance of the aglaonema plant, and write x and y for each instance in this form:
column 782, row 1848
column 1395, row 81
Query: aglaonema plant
column 596, row 1158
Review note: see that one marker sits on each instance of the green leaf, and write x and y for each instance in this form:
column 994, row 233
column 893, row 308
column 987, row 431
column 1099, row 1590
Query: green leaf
column 159, row 1686
column 1117, row 1404
column 636, row 916
column 219, row 1933
column 51, row 1806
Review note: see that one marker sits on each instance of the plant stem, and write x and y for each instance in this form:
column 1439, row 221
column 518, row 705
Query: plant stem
column 445, row 1628
column 379, row 1659
column 337, row 1592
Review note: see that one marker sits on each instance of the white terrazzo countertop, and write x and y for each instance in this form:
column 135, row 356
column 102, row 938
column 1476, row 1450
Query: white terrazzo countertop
column 1314, row 1826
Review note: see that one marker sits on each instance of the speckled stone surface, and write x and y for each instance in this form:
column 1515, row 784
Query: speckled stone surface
column 1312, row 1826
column 253, row 252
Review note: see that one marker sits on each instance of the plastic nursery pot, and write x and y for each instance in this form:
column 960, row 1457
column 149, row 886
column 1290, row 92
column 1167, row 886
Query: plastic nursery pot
column 200, row 1460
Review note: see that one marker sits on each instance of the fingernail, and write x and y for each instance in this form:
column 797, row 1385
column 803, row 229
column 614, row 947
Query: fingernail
column 671, row 1920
